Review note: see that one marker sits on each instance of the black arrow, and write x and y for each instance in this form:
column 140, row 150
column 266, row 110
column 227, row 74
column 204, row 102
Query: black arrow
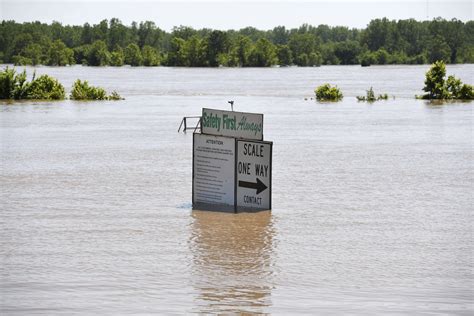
column 259, row 185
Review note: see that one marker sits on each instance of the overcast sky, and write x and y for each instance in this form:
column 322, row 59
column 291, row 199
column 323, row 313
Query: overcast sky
column 227, row 14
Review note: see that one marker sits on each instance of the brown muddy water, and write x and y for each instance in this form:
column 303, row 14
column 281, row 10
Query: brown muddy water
column 372, row 203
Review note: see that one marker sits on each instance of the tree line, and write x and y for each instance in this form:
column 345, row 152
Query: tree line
column 111, row 43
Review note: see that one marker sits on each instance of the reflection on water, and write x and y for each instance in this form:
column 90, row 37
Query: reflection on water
column 232, row 261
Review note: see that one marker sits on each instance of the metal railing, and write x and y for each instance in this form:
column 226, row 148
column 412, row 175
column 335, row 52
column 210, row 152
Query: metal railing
column 184, row 123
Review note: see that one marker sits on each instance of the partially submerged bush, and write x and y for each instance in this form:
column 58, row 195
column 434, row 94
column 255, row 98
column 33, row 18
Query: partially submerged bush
column 438, row 88
column 15, row 86
column 114, row 96
column 82, row 91
column 328, row 93
column 370, row 96
column 12, row 85
column 45, row 88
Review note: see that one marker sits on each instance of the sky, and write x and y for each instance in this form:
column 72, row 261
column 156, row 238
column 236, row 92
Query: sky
column 232, row 14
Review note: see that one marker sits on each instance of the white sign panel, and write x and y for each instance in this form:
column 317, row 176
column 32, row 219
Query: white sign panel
column 254, row 174
column 232, row 124
column 213, row 169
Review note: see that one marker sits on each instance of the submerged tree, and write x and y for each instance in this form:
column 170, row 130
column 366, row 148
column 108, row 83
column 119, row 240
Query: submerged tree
column 81, row 90
column 328, row 93
column 437, row 88
column 15, row 86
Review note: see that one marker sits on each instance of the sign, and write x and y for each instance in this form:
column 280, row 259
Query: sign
column 232, row 124
column 254, row 174
column 213, row 170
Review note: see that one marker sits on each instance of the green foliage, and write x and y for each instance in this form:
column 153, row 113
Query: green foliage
column 241, row 50
column 82, row 91
column 114, row 96
column 34, row 53
column 285, row 57
column 15, row 86
column 437, row 88
column 45, row 88
column 434, row 82
column 466, row 92
column 116, row 57
column 19, row 60
column 21, row 87
column 438, row 50
column 177, row 53
column 194, row 52
column 59, row 54
column 217, row 43
column 367, row 59
column 347, row 52
column 150, row 56
column 302, row 45
column 326, row 92
column 98, row 54
column 133, row 56
column 315, row 59
column 263, row 54
column 383, row 41
column 12, row 85
column 370, row 96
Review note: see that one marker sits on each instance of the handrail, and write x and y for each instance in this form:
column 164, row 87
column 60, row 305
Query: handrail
column 184, row 122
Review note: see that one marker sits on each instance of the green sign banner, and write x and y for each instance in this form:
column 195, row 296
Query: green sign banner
column 232, row 124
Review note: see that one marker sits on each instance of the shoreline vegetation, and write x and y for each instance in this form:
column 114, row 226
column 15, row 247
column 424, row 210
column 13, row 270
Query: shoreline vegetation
column 14, row 86
column 111, row 43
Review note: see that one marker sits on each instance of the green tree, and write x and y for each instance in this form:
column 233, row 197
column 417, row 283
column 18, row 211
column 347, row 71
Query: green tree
column 150, row 56
column 242, row 50
column 438, row 49
column 195, row 52
column 434, row 82
column 117, row 57
column 118, row 34
column 347, row 52
column 59, row 54
column 367, row 59
column 284, row 55
column 263, row 54
column 35, row 53
column 438, row 88
column 327, row 52
column 315, row 59
column 326, row 92
column 302, row 45
column 97, row 54
column 280, row 35
column 133, row 55
column 177, row 53
column 381, row 56
column 217, row 43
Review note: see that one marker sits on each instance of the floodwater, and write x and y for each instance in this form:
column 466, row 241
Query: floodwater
column 372, row 203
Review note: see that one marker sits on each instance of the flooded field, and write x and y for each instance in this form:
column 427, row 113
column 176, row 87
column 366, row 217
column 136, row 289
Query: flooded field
column 372, row 203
